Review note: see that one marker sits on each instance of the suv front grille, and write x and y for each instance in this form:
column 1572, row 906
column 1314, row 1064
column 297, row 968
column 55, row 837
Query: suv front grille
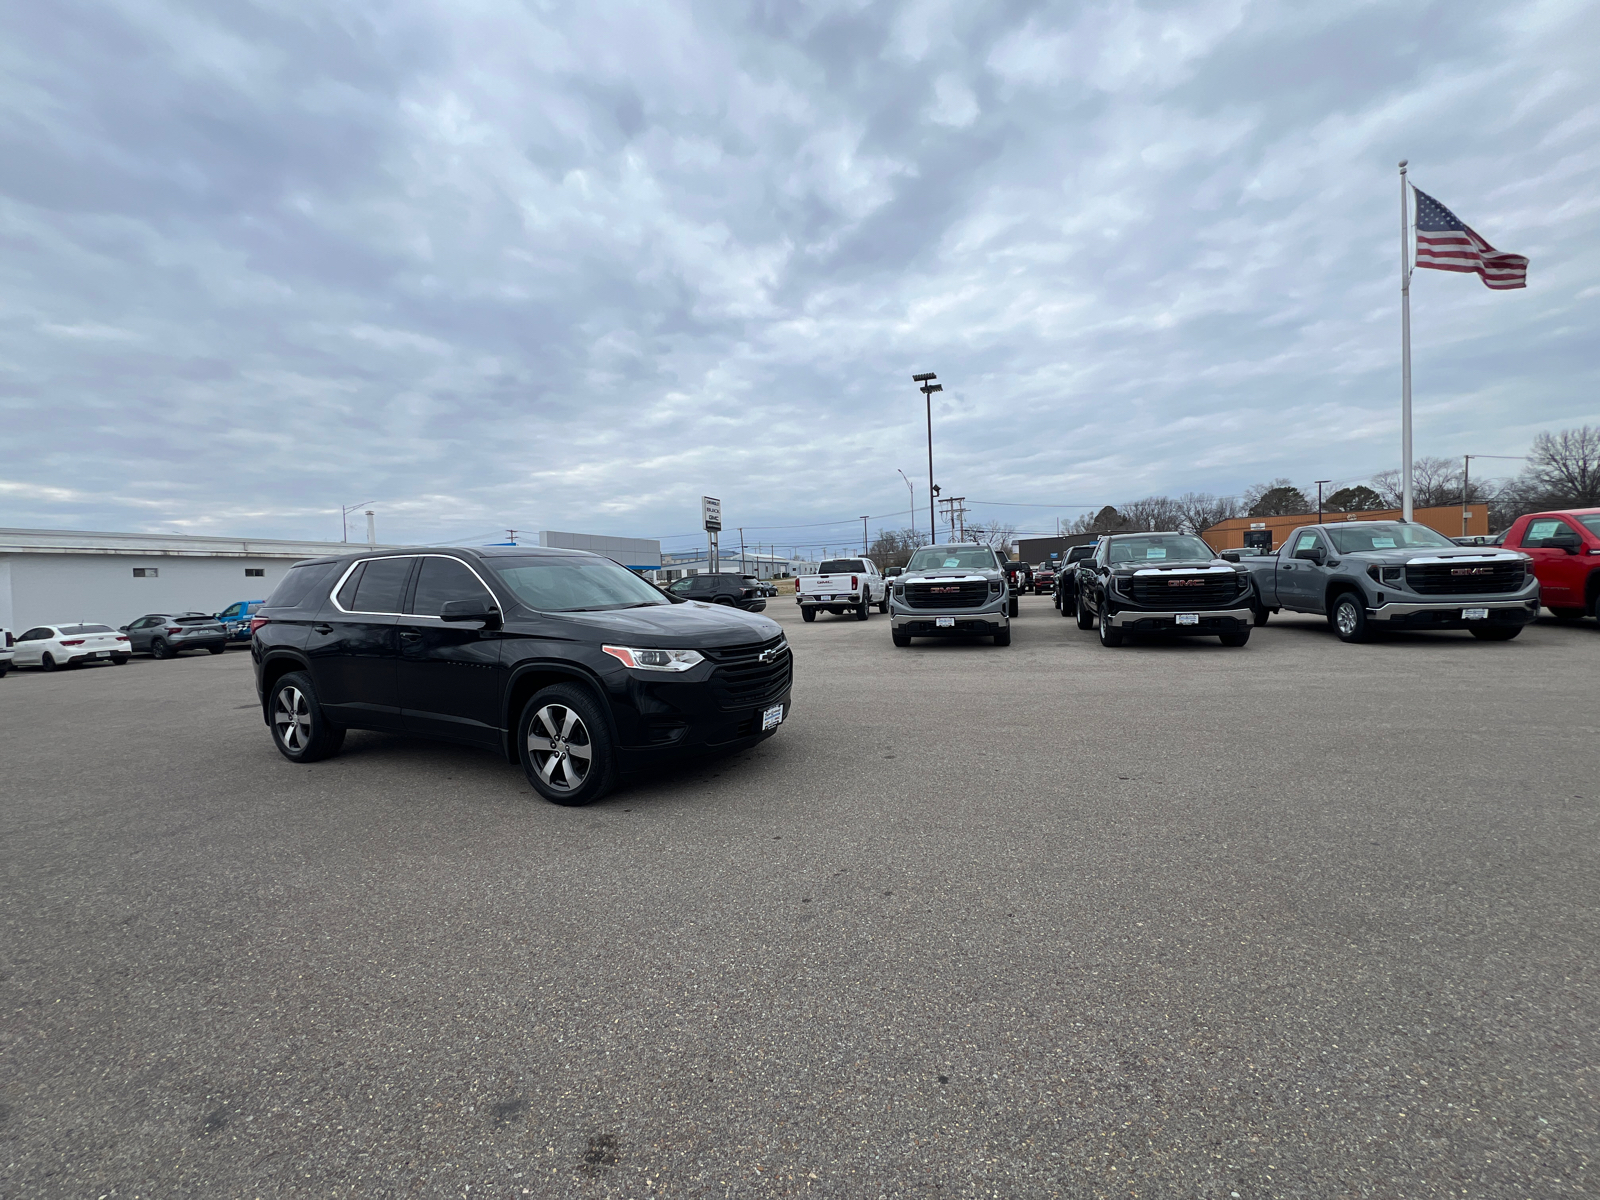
column 1464, row 579
column 742, row 680
column 969, row 594
column 1186, row 591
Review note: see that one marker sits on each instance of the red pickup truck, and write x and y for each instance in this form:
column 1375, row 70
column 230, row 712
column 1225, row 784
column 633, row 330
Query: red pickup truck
column 1565, row 548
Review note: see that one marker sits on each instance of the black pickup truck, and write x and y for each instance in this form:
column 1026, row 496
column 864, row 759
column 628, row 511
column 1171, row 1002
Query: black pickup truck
column 1163, row 583
column 1067, row 578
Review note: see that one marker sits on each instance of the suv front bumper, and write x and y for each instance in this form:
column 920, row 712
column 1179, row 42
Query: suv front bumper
column 1212, row 620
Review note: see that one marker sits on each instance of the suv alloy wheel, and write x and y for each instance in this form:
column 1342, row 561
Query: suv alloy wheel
column 565, row 746
column 300, row 731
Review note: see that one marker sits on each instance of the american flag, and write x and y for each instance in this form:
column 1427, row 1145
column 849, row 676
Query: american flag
column 1447, row 243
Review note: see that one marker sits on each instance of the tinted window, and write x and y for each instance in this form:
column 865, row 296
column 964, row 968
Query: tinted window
column 441, row 579
column 36, row 635
column 382, row 586
column 575, row 584
column 840, row 566
column 295, row 586
column 77, row 630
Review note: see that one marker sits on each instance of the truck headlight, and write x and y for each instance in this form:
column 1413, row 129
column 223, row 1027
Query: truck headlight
column 655, row 660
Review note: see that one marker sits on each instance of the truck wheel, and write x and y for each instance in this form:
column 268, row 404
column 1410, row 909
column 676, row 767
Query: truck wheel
column 1011, row 609
column 1259, row 616
column 1083, row 617
column 901, row 639
column 1234, row 639
column 1110, row 635
column 863, row 610
column 1349, row 617
column 808, row 614
column 883, row 605
column 1003, row 637
column 1496, row 633
column 1567, row 614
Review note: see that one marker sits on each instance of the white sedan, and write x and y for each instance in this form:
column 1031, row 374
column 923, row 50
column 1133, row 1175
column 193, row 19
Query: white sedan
column 50, row 646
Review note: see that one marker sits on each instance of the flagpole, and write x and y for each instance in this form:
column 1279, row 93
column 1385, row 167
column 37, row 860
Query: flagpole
column 1405, row 352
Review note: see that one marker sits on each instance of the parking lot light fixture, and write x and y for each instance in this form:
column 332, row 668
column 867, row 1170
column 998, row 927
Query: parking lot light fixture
column 1319, row 483
column 913, row 492
column 927, row 387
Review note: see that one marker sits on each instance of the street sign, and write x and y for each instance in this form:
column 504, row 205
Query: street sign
column 711, row 513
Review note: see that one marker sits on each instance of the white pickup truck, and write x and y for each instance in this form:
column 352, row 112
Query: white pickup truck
column 842, row 585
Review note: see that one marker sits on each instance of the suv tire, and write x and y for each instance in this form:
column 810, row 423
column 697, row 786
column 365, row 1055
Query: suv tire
column 160, row 649
column 573, row 763
column 1348, row 617
column 217, row 649
column 1084, row 620
column 1495, row 633
column 1110, row 635
column 300, row 730
column 807, row 614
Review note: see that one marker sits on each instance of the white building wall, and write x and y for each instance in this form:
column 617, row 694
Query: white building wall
column 43, row 589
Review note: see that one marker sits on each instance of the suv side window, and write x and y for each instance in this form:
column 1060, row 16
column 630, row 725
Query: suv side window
column 382, row 586
column 700, row 585
column 441, row 579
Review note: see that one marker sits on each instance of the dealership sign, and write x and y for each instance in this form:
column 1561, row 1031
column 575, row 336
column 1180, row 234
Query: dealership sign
column 711, row 513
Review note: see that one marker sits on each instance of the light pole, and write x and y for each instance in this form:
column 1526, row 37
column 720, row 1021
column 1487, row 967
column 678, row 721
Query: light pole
column 863, row 537
column 1319, row 483
column 913, row 492
column 928, row 388
column 344, row 518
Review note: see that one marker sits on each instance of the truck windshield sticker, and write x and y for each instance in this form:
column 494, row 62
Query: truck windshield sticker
column 1155, row 552
column 952, row 562
column 1382, row 543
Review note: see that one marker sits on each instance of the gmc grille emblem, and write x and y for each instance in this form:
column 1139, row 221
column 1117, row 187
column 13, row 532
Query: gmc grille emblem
column 1472, row 570
column 945, row 589
column 1186, row 583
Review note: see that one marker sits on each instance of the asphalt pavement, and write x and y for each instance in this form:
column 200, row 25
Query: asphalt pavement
column 1301, row 919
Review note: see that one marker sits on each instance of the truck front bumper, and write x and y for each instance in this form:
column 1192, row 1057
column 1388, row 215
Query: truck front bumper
column 1441, row 615
column 1212, row 621
column 924, row 622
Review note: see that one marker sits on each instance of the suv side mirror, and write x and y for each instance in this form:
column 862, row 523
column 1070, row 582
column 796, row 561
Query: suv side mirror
column 480, row 608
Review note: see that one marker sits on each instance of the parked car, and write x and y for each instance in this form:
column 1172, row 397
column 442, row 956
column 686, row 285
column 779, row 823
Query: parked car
column 1565, row 549
column 236, row 619
column 1067, row 578
column 717, row 587
column 51, row 646
column 6, row 641
column 561, row 660
column 1368, row 576
column 1019, row 581
column 759, row 585
column 1162, row 583
column 1044, row 578
column 842, row 585
column 166, row 635
column 962, row 589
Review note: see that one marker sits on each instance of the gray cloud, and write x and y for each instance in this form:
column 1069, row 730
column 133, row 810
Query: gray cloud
column 489, row 266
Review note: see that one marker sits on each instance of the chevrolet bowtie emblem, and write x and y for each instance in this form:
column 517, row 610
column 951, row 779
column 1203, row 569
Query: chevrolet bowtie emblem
column 767, row 656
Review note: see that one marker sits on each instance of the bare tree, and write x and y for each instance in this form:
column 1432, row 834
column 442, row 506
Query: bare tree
column 893, row 548
column 1565, row 468
column 993, row 533
column 1103, row 521
column 1153, row 513
column 1199, row 511
column 1435, row 482
column 1253, row 493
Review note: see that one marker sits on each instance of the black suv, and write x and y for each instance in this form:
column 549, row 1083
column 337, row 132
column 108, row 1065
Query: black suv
column 561, row 660
column 736, row 591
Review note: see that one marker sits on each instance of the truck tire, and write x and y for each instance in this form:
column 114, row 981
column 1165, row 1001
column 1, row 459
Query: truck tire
column 901, row 639
column 1259, row 615
column 1568, row 614
column 883, row 605
column 807, row 614
column 1002, row 637
column 1084, row 621
column 864, row 609
column 1495, row 633
column 1234, row 639
column 1011, row 609
column 1110, row 635
column 1061, row 604
column 1348, row 616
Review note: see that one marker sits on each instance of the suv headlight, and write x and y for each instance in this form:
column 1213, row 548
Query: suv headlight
column 655, row 660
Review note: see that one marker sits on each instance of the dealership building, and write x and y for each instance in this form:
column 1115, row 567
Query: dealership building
column 53, row 576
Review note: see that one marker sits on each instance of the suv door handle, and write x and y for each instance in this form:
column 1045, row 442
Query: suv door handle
column 323, row 628
column 410, row 636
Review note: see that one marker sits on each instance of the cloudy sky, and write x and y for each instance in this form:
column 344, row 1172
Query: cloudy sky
column 491, row 263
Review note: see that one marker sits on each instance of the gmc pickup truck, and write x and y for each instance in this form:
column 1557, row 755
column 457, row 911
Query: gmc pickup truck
column 1162, row 583
column 960, row 590
column 1368, row 576
column 842, row 585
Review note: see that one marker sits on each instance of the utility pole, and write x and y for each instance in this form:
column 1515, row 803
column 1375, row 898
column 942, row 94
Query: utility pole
column 1319, row 483
column 741, row 550
column 863, row 537
column 372, row 528
column 344, row 518
column 913, row 492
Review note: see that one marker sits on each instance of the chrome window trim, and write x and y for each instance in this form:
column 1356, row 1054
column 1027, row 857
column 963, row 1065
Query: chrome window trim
column 333, row 595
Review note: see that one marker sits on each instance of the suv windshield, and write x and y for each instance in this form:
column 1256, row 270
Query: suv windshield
column 841, row 566
column 1161, row 547
column 1359, row 537
column 575, row 584
column 963, row 558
